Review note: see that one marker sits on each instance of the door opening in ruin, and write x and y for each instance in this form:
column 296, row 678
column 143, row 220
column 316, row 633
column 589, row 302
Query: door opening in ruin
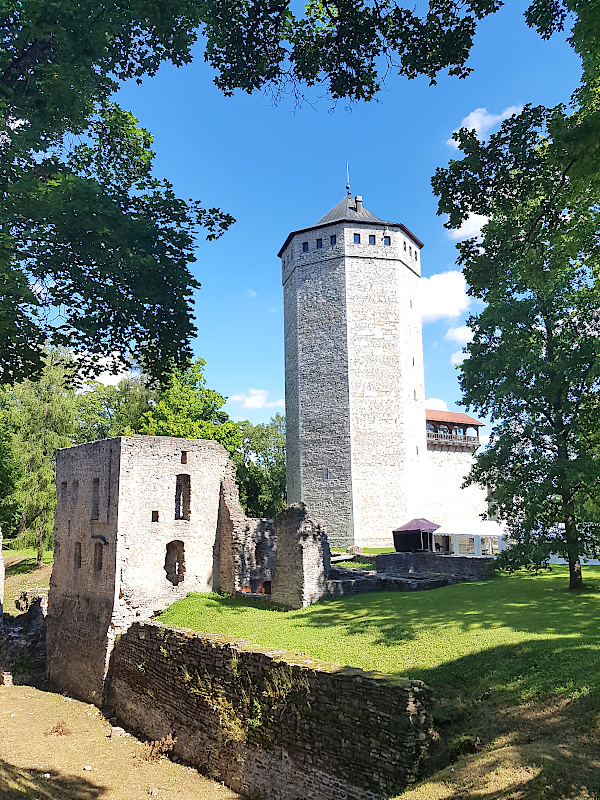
column 175, row 562
column 259, row 554
column 96, row 498
column 182, row 497
column 98, row 556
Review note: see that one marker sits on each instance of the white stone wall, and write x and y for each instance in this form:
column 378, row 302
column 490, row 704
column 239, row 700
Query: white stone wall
column 354, row 380
column 317, row 404
column 386, row 385
column 447, row 501
column 149, row 469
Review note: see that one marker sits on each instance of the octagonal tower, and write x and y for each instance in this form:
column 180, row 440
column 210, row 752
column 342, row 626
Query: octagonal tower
column 356, row 437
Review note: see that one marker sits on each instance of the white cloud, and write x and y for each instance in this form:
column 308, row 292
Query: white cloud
column 106, row 364
column 435, row 404
column 484, row 439
column 461, row 335
column 482, row 121
column 458, row 357
column 251, row 293
column 256, row 398
column 470, row 228
column 444, row 296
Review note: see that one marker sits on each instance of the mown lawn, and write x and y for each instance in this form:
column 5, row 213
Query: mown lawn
column 522, row 632
column 515, row 663
column 22, row 573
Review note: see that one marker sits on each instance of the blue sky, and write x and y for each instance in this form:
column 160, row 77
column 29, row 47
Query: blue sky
column 280, row 168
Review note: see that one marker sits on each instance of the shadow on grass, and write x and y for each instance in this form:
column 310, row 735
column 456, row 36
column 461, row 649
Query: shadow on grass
column 506, row 675
column 535, row 708
column 17, row 783
column 23, row 567
column 530, row 604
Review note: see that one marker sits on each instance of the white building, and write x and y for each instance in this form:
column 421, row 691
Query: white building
column 359, row 454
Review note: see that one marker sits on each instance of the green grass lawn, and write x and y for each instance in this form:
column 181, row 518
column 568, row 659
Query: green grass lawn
column 515, row 664
column 522, row 633
column 22, row 573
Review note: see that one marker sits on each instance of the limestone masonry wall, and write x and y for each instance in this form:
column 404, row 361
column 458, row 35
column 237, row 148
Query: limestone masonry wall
column 303, row 559
column 317, row 403
column 447, row 501
column 141, row 521
column 268, row 723
column 465, row 568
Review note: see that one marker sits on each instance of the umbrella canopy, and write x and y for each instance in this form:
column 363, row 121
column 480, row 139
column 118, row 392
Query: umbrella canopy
column 417, row 526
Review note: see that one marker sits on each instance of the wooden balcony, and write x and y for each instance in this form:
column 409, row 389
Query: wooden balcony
column 448, row 440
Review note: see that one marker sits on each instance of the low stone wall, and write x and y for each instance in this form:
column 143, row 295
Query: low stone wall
column 458, row 568
column 269, row 723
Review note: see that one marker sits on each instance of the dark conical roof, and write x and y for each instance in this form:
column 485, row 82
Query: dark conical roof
column 346, row 211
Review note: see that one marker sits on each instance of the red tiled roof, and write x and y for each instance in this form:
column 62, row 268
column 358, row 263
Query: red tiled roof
column 451, row 416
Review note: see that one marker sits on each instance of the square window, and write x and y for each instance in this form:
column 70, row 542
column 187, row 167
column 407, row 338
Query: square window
column 371, row 240
column 319, row 244
column 357, row 238
column 305, row 247
column 333, row 240
column 387, row 241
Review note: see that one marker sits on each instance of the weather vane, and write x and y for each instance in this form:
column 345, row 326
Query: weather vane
column 347, row 178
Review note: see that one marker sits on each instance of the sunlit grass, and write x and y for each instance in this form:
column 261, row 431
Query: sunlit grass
column 520, row 634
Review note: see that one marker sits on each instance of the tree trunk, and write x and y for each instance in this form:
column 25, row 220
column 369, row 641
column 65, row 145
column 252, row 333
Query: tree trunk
column 575, row 579
column 40, row 543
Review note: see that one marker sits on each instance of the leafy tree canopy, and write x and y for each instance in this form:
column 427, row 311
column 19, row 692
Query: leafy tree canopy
column 103, row 412
column 186, row 408
column 260, row 466
column 534, row 362
column 40, row 416
column 94, row 250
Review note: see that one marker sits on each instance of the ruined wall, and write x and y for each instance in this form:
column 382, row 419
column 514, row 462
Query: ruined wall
column 245, row 547
column 149, row 520
column 462, row 568
column 268, row 723
column 135, row 530
column 82, row 591
column 141, row 521
column 303, row 559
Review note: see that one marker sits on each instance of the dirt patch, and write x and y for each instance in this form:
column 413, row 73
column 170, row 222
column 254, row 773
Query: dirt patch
column 56, row 748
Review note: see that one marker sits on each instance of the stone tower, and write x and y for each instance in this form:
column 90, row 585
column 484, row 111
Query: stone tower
column 356, row 436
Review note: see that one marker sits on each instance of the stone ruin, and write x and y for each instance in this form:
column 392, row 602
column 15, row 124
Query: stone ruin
column 140, row 522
